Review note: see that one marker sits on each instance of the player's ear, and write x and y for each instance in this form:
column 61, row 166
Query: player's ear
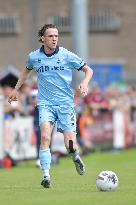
column 42, row 38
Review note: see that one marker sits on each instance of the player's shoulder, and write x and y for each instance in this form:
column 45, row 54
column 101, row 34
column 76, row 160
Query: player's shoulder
column 64, row 50
column 34, row 53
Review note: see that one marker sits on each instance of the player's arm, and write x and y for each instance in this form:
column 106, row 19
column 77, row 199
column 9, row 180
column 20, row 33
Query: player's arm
column 83, row 87
column 23, row 76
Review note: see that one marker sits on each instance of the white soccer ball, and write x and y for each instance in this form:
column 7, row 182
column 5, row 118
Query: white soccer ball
column 107, row 181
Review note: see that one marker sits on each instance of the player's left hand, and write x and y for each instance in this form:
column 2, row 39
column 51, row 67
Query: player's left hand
column 83, row 88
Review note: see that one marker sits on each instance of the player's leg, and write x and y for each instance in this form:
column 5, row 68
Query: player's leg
column 46, row 119
column 44, row 152
column 71, row 145
column 67, row 125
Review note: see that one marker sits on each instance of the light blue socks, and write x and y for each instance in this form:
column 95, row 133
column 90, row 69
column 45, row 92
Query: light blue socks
column 45, row 161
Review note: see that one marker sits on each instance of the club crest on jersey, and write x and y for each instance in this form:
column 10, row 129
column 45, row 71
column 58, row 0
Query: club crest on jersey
column 58, row 60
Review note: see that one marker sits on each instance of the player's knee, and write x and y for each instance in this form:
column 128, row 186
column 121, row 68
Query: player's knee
column 45, row 140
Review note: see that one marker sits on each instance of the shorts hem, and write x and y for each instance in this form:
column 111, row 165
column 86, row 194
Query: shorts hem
column 44, row 121
column 65, row 130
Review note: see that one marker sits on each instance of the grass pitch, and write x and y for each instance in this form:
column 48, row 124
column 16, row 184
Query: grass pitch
column 21, row 185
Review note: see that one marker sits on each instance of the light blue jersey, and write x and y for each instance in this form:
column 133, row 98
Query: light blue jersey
column 54, row 75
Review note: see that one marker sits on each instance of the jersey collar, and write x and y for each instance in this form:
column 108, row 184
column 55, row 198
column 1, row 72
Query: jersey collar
column 49, row 55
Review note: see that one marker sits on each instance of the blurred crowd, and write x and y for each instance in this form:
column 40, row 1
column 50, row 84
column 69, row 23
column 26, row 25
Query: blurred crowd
column 97, row 102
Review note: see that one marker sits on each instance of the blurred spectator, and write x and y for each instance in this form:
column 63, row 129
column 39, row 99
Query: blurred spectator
column 84, row 120
column 94, row 100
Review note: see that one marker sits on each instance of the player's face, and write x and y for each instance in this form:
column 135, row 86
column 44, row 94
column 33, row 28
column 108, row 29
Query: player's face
column 50, row 39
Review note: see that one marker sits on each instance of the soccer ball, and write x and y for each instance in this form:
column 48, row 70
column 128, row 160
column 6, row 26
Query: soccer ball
column 107, row 181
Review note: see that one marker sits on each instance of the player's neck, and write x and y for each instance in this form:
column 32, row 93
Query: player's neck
column 48, row 50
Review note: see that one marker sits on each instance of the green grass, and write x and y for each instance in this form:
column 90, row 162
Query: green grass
column 21, row 185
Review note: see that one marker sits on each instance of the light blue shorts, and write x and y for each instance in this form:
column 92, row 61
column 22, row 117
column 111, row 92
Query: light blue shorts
column 65, row 116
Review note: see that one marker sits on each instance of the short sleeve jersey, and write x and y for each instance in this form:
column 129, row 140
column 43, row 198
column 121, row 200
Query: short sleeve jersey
column 54, row 74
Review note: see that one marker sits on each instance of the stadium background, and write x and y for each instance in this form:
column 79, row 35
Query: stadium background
column 116, row 43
